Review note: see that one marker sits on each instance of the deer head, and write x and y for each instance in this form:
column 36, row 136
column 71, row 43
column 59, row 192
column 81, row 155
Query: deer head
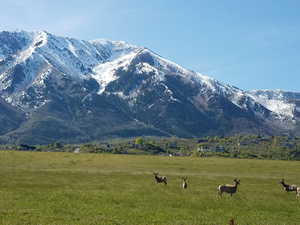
column 184, row 178
column 237, row 182
column 282, row 181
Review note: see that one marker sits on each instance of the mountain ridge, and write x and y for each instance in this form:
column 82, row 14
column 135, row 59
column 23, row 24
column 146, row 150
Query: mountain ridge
column 101, row 89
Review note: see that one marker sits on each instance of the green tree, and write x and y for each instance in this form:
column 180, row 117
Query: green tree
column 139, row 141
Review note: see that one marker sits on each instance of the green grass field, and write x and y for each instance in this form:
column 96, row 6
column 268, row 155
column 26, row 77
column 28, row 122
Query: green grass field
column 67, row 188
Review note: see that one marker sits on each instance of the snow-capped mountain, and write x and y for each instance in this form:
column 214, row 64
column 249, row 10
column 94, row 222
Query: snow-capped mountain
column 28, row 59
column 74, row 90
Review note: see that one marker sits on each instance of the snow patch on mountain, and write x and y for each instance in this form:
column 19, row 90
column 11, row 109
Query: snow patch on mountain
column 274, row 101
column 130, row 98
column 40, row 80
column 114, row 46
column 208, row 81
column 104, row 73
column 169, row 93
column 236, row 99
column 145, row 68
column 168, row 65
column 39, row 40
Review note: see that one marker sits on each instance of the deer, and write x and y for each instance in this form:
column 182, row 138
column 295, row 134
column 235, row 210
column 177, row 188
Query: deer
column 229, row 188
column 289, row 188
column 298, row 192
column 160, row 179
column 231, row 222
column 184, row 182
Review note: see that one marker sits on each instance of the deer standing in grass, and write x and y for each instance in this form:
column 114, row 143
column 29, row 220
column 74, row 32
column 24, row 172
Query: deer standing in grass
column 229, row 188
column 298, row 192
column 288, row 187
column 184, row 182
column 160, row 179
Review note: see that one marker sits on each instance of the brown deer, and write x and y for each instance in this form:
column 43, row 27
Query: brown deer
column 184, row 182
column 288, row 187
column 298, row 192
column 231, row 222
column 229, row 188
column 160, row 179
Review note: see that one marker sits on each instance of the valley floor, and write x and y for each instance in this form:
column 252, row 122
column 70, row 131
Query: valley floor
column 81, row 189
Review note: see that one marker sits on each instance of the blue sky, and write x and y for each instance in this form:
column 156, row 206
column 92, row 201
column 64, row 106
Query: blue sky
column 250, row 44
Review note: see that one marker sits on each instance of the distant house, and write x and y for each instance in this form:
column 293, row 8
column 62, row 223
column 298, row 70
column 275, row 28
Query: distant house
column 204, row 149
column 220, row 148
column 211, row 149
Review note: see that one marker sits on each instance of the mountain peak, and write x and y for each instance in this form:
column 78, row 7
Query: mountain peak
column 91, row 89
column 115, row 44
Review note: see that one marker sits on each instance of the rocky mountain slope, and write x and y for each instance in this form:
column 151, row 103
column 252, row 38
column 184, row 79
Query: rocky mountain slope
column 69, row 90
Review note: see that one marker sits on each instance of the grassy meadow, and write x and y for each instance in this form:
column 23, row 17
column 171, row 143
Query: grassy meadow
column 40, row 188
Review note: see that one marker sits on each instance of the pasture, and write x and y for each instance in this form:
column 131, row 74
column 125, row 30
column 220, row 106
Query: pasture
column 83, row 189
